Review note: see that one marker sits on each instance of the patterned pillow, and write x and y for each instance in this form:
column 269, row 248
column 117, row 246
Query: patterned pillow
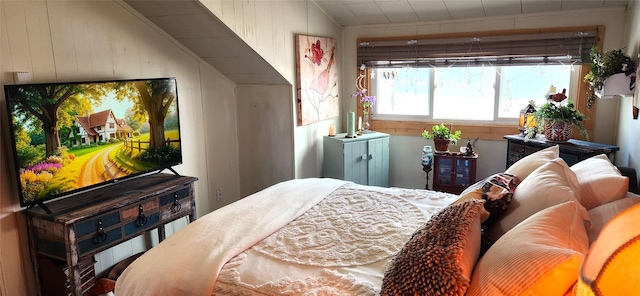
column 439, row 257
column 551, row 184
column 497, row 191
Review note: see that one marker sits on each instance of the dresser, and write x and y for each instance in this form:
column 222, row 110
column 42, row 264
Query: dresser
column 363, row 160
column 87, row 223
column 571, row 152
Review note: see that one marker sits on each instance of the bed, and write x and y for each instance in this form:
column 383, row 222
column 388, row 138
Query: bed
column 321, row 236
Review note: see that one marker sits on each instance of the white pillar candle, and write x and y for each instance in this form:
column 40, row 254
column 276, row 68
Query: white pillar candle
column 359, row 123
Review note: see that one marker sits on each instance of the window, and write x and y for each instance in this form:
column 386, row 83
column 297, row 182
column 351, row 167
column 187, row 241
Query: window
column 478, row 81
column 473, row 92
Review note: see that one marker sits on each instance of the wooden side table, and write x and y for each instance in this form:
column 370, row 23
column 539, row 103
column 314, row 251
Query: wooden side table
column 453, row 172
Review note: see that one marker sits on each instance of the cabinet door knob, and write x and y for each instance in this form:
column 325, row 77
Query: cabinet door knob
column 364, row 157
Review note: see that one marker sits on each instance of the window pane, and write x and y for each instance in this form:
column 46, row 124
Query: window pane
column 520, row 84
column 402, row 91
column 464, row 93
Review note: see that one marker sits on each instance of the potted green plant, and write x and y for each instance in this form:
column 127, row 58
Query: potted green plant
column 603, row 65
column 557, row 117
column 442, row 136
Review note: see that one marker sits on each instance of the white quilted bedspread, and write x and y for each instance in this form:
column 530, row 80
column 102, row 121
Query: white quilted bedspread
column 303, row 237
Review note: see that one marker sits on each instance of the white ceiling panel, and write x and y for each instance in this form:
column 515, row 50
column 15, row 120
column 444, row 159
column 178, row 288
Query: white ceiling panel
column 533, row 6
column 464, row 9
column 360, row 9
column 430, row 10
column 581, row 4
column 398, row 11
column 339, row 10
column 501, row 7
column 373, row 19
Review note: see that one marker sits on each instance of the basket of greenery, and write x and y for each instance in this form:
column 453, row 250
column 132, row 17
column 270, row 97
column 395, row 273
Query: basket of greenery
column 557, row 117
column 603, row 65
column 442, row 136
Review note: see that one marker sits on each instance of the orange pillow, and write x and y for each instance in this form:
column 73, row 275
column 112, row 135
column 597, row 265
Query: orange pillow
column 540, row 256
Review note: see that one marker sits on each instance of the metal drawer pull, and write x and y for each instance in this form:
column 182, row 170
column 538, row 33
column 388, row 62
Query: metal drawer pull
column 142, row 219
column 101, row 236
column 176, row 207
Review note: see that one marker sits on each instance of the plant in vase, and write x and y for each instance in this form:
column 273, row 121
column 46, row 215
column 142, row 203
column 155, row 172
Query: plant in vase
column 367, row 102
column 557, row 117
column 442, row 136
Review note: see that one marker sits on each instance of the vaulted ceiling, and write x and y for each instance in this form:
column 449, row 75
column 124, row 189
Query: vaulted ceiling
column 192, row 24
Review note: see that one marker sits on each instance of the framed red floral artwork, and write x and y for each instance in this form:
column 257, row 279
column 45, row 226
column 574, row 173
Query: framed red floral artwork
column 316, row 78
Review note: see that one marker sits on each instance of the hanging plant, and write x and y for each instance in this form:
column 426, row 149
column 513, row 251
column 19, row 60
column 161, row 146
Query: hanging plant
column 604, row 65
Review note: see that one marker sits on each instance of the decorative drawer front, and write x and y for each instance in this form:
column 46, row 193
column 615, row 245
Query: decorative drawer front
column 170, row 198
column 133, row 212
column 90, row 226
column 100, row 239
column 175, row 210
column 142, row 224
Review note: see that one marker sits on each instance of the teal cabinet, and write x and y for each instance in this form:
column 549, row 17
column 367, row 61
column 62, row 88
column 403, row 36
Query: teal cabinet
column 363, row 160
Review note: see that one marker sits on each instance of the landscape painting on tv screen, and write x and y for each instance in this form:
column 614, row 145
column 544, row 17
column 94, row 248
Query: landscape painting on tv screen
column 73, row 136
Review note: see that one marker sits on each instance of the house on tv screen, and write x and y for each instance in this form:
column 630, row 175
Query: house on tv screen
column 99, row 127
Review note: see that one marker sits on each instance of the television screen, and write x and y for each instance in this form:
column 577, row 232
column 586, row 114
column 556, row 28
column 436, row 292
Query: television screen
column 69, row 137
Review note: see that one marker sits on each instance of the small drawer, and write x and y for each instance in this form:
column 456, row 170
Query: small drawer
column 90, row 226
column 151, row 221
column 173, row 211
column 133, row 212
column 176, row 195
column 96, row 241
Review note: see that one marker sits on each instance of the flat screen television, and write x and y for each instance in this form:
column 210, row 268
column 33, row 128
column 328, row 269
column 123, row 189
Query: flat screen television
column 75, row 136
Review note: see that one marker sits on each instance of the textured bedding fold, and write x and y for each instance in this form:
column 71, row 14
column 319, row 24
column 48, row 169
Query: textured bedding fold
column 198, row 251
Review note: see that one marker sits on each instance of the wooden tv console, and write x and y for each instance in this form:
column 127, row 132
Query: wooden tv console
column 87, row 223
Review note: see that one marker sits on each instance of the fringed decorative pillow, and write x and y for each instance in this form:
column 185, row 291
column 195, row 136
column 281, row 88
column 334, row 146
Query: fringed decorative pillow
column 439, row 257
